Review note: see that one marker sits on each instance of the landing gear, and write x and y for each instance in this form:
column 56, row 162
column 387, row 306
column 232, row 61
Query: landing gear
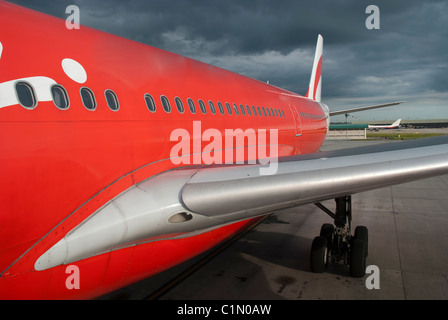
column 336, row 245
column 319, row 254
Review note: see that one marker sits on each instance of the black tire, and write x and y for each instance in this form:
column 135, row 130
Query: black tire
column 319, row 255
column 327, row 231
column 362, row 233
column 357, row 258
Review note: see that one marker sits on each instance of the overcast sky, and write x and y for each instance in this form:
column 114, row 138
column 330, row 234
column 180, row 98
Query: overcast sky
column 406, row 59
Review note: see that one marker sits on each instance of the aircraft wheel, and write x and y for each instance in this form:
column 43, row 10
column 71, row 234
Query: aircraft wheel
column 319, row 255
column 357, row 258
column 327, row 231
column 362, row 233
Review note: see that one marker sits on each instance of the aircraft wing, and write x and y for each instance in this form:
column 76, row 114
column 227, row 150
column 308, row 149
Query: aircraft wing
column 185, row 202
column 339, row 112
column 313, row 178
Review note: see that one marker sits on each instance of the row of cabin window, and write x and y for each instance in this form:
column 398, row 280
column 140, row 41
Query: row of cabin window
column 27, row 97
column 267, row 112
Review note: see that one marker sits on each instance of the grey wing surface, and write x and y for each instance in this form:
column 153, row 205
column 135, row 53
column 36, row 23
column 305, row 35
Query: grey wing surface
column 186, row 202
column 242, row 191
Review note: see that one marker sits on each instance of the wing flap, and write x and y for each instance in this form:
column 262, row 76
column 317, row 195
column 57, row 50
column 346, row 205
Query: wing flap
column 300, row 180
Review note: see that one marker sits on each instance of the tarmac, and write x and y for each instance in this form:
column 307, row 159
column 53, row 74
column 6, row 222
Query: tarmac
column 408, row 245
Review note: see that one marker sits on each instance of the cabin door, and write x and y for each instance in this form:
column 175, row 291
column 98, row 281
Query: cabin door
column 297, row 120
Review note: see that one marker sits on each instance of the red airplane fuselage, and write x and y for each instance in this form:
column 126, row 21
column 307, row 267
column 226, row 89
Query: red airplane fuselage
column 58, row 165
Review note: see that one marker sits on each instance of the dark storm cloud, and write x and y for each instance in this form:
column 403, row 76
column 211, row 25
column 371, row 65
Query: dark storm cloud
column 274, row 40
column 243, row 26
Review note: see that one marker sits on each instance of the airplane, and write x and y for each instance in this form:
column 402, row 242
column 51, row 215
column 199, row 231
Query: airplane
column 93, row 197
column 394, row 125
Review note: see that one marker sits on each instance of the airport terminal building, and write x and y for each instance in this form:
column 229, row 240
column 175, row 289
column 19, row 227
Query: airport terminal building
column 347, row 131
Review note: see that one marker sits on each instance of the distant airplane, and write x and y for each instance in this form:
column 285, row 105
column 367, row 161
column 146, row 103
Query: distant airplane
column 394, row 125
column 118, row 160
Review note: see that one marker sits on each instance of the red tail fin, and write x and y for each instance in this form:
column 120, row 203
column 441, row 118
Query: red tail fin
column 314, row 89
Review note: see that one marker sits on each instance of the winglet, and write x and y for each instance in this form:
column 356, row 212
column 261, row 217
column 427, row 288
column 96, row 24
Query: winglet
column 314, row 89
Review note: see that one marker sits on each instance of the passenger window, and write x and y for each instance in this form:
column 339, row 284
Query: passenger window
column 242, row 110
column 60, row 98
column 112, row 100
column 248, row 110
column 283, row 114
column 179, row 105
column 88, row 98
column 202, row 106
column 212, row 107
column 259, row 111
column 165, row 104
column 254, row 111
column 150, row 104
column 264, row 111
column 191, row 106
column 276, row 113
column 229, row 108
column 221, row 108
column 25, row 94
column 269, row 112
column 235, row 107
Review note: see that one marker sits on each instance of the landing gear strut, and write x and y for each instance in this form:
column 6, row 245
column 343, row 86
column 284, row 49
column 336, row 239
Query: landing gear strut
column 336, row 245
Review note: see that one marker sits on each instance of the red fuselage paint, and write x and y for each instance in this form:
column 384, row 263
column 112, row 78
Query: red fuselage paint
column 57, row 166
